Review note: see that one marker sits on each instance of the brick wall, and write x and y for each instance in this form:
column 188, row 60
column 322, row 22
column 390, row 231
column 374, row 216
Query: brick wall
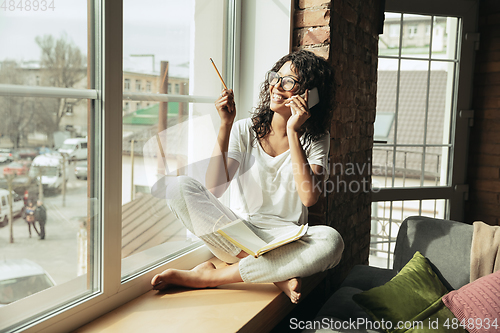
column 484, row 148
column 346, row 33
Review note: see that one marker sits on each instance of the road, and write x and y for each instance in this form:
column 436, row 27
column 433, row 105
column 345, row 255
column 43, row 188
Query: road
column 58, row 253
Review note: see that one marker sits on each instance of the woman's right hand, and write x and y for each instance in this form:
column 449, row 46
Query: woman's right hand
column 225, row 107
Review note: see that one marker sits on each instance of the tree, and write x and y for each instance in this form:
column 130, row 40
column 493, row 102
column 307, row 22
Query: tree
column 62, row 64
column 17, row 113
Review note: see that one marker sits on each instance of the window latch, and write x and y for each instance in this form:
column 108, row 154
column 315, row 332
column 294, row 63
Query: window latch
column 463, row 188
column 467, row 114
column 473, row 37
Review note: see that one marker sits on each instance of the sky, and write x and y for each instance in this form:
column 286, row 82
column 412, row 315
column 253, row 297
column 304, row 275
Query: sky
column 159, row 27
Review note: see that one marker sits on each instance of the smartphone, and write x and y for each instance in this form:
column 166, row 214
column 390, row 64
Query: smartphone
column 313, row 98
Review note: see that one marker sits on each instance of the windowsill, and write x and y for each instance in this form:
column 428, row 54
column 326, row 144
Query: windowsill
column 233, row 307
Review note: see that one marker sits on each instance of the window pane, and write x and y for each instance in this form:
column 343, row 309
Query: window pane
column 414, row 100
column 416, row 36
column 387, row 92
column 441, row 81
column 53, row 51
column 167, row 55
column 389, row 40
column 444, row 37
column 44, row 161
column 387, row 217
column 48, row 153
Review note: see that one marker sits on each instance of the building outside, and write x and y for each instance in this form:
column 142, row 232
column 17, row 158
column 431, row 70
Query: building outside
column 73, row 122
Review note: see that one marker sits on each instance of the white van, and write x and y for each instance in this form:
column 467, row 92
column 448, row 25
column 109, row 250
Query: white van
column 17, row 206
column 51, row 168
column 76, row 148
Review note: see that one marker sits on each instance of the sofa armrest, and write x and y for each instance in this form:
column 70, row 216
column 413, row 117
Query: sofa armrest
column 445, row 243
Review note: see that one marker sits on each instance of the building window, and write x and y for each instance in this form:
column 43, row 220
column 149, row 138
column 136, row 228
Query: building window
column 138, row 105
column 37, row 82
column 127, row 106
column 170, row 88
column 138, row 85
column 394, row 30
column 126, row 85
column 177, row 89
column 148, row 86
column 412, row 31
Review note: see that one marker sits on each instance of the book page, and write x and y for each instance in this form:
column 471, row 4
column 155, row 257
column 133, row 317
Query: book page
column 288, row 236
column 242, row 236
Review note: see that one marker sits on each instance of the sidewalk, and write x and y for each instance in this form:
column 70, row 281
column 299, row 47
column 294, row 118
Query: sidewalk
column 57, row 254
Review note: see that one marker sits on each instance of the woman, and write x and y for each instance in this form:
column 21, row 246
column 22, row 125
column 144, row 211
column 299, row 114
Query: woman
column 279, row 158
column 29, row 212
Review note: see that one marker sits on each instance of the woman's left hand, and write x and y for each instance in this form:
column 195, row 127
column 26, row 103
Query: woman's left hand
column 300, row 112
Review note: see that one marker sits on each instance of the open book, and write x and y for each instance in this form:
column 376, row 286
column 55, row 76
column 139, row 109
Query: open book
column 238, row 233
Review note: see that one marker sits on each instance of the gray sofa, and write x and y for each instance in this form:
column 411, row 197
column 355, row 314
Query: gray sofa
column 445, row 243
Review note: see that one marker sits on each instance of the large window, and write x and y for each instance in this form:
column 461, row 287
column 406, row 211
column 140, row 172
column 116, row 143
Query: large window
column 106, row 236
column 421, row 120
column 49, row 106
column 174, row 51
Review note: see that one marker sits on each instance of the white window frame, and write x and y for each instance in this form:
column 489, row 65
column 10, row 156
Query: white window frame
column 107, row 96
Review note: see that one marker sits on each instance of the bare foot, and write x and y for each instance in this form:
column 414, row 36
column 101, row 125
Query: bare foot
column 197, row 277
column 291, row 288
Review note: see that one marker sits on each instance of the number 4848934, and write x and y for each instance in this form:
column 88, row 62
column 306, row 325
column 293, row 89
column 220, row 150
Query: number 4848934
column 27, row 5
column 471, row 323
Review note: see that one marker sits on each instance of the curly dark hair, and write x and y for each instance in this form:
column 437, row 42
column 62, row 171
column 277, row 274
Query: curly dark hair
column 313, row 71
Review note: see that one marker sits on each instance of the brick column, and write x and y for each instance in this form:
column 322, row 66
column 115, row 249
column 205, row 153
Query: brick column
column 346, row 34
column 484, row 146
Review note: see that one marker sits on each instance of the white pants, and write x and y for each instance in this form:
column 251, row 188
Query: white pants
column 202, row 214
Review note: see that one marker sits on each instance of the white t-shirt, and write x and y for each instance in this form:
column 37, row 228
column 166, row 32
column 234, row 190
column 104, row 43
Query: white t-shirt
column 263, row 190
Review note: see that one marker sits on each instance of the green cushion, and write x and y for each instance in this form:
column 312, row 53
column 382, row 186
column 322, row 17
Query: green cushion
column 409, row 302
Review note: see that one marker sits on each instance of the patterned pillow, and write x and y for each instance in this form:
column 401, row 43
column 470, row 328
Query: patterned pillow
column 477, row 304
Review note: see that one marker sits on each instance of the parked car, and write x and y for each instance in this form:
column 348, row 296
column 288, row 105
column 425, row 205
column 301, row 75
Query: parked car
column 7, row 155
column 75, row 148
column 29, row 153
column 50, row 167
column 17, row 206
column 17, row 168
column 24, row 186
column 81, row 170
column 20, row 278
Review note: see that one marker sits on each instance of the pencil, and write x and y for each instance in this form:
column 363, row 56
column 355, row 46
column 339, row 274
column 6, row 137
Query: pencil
column 220, row 77
column 225, row 87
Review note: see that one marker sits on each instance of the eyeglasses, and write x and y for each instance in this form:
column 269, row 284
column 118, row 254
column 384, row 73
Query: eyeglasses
column 287, row 82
